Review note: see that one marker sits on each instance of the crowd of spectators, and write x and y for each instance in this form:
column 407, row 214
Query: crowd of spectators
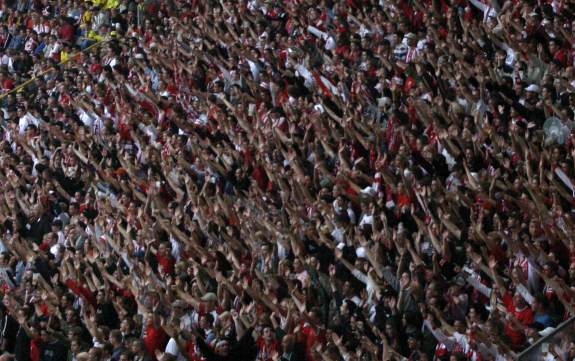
column 302, row 180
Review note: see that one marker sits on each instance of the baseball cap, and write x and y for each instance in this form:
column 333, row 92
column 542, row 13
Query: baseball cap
column 210, row 296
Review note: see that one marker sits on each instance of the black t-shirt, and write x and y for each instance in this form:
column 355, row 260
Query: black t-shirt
column 8, row 330
column 53, row 351
column 106, row 315
column 22, row 346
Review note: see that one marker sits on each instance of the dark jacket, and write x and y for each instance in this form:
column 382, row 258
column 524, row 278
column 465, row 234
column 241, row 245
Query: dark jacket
column 244, row 350
column 298, row 353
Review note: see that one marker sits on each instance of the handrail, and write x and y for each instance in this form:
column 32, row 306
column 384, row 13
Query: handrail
column 31, row 80
column 522, row 356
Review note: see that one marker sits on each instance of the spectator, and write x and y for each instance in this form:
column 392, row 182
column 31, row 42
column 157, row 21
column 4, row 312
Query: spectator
column 218, row 180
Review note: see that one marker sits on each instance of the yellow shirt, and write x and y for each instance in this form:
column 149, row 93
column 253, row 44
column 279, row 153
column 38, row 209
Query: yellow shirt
column 112, row 4
column 92, row 35
column 64, row 55
column 87, row 16
column 97, row 2
column 106, row 4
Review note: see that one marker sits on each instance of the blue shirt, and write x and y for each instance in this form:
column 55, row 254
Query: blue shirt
column 16, row 42
column 544, row 319
column 40, row 48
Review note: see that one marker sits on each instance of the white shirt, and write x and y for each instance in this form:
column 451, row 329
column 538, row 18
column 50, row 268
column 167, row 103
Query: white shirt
column 302, row 71
column 172, row 349
column 338, row 235
column 488, row 10
column 61, row 238
column 176, row 249
column 25, row 121
column 41, row 28
column 112, row 62
column 366, row 219
column 52, row 49
column 411, row 54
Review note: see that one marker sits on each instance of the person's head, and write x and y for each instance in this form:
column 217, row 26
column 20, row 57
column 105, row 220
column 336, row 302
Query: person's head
column 413, row 341
column 4, row 259
column 267, row 333
column 474, row 315
column 459, row 326
column 66, row 300
column 46, row 336
column 206, row 321
column 115, row 338
column 152, row 298
column 95, row 354
column 210, row 299
column 100, row 297
column 162, row 249
column 390, row 330
column 532, row 93
column 554, row 46
column 549, row 269
column 265, row 249
column 222, row 348
column 107, row 350
column 297, row 266
column 178, row 308
column 75, row 346
column 137, row 346
column 540, row 304
column 572, row 272
column 38, row 210
column 71, row 315
column 572, row 348
column 126, row 325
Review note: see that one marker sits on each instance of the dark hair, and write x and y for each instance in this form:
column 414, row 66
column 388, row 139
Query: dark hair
column 107, row 347
column 116, row 335
column 209, row 318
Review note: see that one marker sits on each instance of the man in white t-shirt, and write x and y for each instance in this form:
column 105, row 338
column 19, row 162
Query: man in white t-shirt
column 173, row 352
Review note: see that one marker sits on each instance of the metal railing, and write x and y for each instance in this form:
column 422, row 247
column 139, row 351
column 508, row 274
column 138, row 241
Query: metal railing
column 557, row 343
column 52, row 68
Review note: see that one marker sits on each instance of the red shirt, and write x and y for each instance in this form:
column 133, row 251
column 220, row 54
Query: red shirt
column 403, row 200
column 260, row 176
column 7, row 84
column 35, row 349
column 562, row 56
column 309, row 338
column 66, row 32
column 525, row 316
column 44, row 246
column 79, row 290
column 193, row 355
column 154, row 339
column 265, row 349
column 167, row 263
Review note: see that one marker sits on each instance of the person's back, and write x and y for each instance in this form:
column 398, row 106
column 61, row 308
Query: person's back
column 292, row 350
column 53, row 350
column 244, row 350
column 22, row 345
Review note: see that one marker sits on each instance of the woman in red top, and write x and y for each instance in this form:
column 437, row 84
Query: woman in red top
column 267, row 345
